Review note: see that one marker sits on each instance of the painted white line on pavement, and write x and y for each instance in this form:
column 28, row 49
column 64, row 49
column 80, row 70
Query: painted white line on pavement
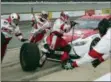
column 106, row 77
column 13, row 48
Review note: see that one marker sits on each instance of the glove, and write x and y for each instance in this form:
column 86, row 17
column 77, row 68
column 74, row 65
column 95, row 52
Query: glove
column 67, row 65
column 95, row 63
column 73, row 23
column 23, row 40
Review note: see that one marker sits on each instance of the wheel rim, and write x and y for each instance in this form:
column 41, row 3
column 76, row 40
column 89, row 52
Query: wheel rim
column 42, row 60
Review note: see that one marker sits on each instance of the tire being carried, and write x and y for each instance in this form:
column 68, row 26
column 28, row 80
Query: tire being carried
column 29, row 56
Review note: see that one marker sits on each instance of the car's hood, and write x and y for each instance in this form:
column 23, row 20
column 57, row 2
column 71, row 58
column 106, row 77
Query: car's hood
column 78, row 33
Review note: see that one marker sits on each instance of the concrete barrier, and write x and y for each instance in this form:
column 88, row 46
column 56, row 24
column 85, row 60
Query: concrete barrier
column 26, row 17
column 25, row 7
column 53, row 15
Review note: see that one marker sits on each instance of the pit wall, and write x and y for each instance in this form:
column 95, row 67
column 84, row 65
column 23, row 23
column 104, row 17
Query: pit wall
column 53, row 15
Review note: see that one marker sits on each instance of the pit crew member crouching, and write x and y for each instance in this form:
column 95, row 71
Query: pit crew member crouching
column 100, row 52
column 61, row 26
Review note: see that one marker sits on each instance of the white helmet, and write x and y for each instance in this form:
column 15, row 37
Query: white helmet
column 44, row 15
column 64, row 16
column 14, row 18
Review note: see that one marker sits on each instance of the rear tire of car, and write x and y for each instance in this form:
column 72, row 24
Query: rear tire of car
column 29, row 56
column 94, row 42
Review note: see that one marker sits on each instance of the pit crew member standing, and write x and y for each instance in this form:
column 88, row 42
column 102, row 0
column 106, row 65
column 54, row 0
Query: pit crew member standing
column 100, row 52
column 61, row 26
column 41, row 25
column 8, row 28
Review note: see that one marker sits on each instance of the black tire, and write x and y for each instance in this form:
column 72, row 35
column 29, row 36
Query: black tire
column 2, row 39
column 29, row 57
column 94, row 42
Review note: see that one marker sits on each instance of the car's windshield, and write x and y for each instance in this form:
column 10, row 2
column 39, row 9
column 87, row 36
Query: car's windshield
column 87, row 23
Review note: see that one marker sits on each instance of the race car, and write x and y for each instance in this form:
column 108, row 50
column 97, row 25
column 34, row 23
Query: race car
column 82, row 38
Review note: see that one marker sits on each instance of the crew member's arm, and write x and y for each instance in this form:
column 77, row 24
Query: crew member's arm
column 19, row 34
column 67, row 27
column 45, row 26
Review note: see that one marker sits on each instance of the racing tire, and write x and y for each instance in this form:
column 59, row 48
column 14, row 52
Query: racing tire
column 94, row 42
column 3, row 40
column 29, row 57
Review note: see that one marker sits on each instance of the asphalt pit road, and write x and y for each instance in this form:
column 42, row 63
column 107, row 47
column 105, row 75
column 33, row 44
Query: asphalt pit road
column 47, row 69
column 15, row 72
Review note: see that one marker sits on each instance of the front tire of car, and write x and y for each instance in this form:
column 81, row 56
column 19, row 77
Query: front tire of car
column 29, row 56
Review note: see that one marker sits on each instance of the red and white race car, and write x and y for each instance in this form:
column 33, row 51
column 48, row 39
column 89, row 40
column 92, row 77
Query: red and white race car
column 81, row 39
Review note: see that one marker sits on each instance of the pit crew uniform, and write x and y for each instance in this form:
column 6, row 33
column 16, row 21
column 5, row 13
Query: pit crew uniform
column 101, row 51
column 7, row 31
column 55, row 39
column 39, row 29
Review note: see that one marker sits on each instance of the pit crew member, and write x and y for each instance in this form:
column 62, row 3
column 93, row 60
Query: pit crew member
column 40, row 26
column 100, row 52
column 8, row 28
column 61, row 26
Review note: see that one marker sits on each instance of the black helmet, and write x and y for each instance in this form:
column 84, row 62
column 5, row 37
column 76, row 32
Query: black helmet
column 103, row 26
